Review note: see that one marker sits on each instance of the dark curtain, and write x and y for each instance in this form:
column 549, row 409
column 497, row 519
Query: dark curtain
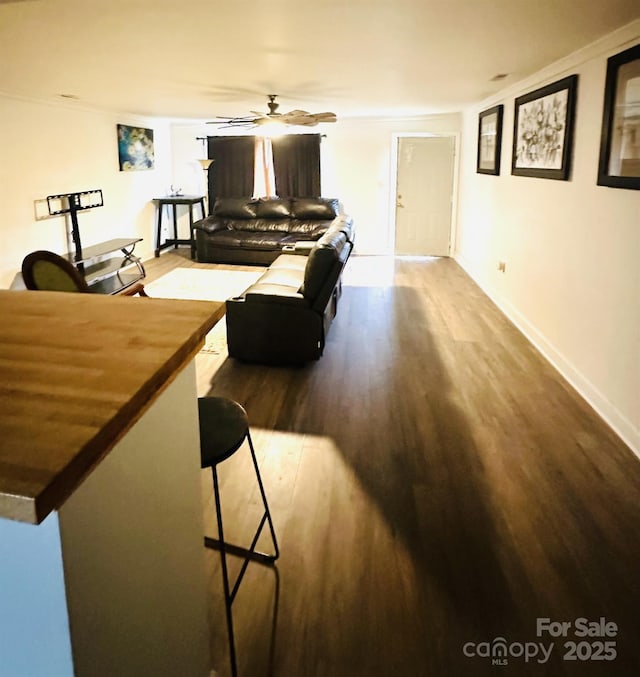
column 231, row 172
column 296, row 164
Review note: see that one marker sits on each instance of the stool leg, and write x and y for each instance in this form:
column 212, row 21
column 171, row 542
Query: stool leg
column 250, row 554
column 264, row 499
column 225, row 574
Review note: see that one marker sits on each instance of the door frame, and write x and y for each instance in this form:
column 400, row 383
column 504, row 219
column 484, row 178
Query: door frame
column 393, row 184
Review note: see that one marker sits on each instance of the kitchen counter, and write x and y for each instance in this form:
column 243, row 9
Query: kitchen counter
column 75, row 374
column 102, row 560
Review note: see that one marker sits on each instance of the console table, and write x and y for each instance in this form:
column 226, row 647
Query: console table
column 173, row 201
column 102, row 567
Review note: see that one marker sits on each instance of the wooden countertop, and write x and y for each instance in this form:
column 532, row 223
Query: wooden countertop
column 76, row 371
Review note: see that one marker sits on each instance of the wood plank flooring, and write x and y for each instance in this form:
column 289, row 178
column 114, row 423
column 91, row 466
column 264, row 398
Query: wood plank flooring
column 434, row 482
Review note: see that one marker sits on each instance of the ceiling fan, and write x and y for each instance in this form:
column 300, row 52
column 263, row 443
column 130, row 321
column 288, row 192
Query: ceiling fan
column 294, row 117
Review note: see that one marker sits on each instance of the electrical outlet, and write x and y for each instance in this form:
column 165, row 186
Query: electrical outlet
column 502, row 266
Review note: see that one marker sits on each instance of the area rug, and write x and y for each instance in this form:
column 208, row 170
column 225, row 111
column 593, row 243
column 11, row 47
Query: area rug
column 202, row 285
column 197, row 284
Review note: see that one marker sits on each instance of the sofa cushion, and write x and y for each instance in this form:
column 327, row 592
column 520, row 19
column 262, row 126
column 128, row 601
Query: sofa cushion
column 306, row 208
column 286, row 277
column 273, row 208
column 210, row 224
column 235, row 207
column 260, row 225
column 293, row 261
column 310, row 228
column 249, row 239
column 321, row 261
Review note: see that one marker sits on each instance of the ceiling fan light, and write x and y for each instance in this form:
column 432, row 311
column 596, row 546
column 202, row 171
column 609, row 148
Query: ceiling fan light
column 272, row 128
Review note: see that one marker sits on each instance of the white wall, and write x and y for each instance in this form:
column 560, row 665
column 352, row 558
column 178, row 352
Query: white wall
column 187, row 173
column 571, row 248
column 49, row 149
column 356, row 167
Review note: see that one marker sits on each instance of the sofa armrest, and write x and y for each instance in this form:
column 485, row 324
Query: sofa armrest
column 304, row 246
column 321, row 261
column 344, row 222
column 210, row 224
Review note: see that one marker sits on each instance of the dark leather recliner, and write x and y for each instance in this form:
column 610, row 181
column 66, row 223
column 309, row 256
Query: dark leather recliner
column 285, row 316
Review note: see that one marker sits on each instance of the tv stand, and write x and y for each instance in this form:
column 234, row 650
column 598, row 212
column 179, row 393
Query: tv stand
column 109, row 275
column 104, row 274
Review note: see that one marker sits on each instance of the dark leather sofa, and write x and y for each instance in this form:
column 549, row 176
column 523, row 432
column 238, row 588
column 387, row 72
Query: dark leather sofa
column 256, row 231
column 285, row 316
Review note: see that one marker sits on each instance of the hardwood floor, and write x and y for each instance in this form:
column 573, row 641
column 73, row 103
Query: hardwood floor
column 434, row 482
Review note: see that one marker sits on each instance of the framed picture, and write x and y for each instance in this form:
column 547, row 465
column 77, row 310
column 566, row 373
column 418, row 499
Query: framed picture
column 135, row 148
column 619, row 165
column 543, row 131
column 490, row 140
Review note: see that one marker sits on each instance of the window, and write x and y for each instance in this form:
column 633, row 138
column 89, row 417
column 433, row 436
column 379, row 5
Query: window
column 287, row 166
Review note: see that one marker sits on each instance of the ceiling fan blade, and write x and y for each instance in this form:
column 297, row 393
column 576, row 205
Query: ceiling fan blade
column 229, row 118
column 303, row 120
column 316, row 117
column 233, row 122
column 296, row 114
column 325, row 117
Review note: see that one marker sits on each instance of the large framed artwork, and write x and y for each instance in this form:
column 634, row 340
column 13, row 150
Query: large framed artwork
column 490, row 140
column 619, row 165
column 543, row 131
column 135, row 148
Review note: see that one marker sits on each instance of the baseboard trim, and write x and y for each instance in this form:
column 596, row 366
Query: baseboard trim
column 601, row 405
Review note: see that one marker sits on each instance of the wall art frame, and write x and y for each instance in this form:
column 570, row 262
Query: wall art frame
column 135, row 148
column 619, row 162
column 490, row 140
column 543, row 131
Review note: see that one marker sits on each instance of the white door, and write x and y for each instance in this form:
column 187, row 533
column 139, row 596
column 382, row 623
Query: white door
column 424, row 194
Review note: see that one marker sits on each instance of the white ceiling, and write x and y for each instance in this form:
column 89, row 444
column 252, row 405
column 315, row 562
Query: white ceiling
column 201, row 58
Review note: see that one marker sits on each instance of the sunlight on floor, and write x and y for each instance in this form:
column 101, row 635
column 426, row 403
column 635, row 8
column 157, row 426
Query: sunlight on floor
column 308, row 478
column 369, row 271
column 376, row 271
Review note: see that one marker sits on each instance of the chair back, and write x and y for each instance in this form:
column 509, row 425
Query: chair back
column 46, row 271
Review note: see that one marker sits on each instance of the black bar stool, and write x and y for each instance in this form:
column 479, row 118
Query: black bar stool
column 224, row 426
